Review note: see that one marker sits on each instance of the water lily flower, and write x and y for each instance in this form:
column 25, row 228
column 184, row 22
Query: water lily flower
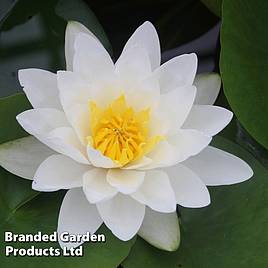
column 129, row 140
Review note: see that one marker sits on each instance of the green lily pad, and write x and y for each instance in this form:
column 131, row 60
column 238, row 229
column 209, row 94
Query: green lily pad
column 244, row 63
column 231, row 232
column 9, row 108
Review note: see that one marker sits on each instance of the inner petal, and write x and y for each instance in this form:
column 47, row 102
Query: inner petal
column 119, row 132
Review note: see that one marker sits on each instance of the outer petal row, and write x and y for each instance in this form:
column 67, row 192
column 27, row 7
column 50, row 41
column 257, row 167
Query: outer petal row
column 212, row 165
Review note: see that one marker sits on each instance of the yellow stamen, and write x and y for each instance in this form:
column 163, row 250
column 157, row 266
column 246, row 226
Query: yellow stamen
column 119, row 132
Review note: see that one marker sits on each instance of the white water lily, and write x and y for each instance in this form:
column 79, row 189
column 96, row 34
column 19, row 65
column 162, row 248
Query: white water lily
column 128, row 140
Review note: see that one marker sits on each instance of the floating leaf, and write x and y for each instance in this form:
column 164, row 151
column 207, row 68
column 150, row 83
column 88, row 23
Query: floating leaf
column 243, row 63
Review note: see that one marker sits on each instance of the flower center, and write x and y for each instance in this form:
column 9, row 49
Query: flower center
column 119, row 132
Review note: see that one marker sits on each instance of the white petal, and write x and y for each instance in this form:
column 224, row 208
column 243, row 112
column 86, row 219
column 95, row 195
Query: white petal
column 91, row 59
column 188, row 142
column 189, row 190
column 160, row 123
column 75, row 94
column 97, row 159
column 78, row 116
column 162, row 155
column 23, row 156
column 122, row 215
column 51, row 127
column 59, row 172
column 65, row 141
column 208, row 87
column 208, row 119
column 74, row 89
column 144, row 161
column 125, row 181
column 177, row 72
column 176, row 105
column 42, row 120
column 143, row 95
column 146, row 36
column 40, row 87
column 77, row 216
column 72, row 30
column 217, row 167
column 161, row 230
column 134, row 64
column 96, row 187
column 156, row 192
column 177, row 148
